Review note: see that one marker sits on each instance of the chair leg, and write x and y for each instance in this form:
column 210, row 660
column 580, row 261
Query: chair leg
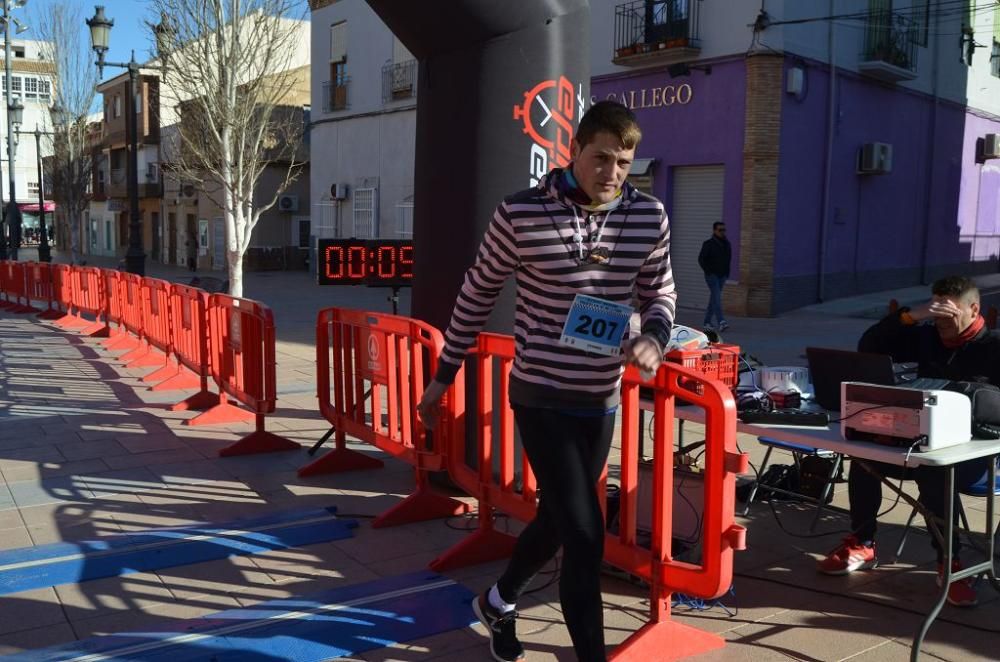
column 906, row 532
column 838, row 458
column 756, row 484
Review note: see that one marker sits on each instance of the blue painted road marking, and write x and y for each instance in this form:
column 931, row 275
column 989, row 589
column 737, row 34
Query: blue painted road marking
column 337, row 623
column 66, row 563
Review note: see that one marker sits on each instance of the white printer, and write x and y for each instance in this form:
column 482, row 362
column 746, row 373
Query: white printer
column 901, row 416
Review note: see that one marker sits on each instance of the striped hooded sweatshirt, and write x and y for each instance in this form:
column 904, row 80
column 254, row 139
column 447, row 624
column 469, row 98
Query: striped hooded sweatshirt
column 531, row 236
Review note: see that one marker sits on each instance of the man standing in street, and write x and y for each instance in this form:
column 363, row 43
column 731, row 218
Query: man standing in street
column 577, row 244
column 714, row 259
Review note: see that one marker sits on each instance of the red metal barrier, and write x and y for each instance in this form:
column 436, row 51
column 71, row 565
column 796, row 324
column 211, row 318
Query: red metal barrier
column 117, row 336
column 155, row 298
column 243, row 365
column 660, row 638
column 382, row 361
column 15, row 290
column 40, row 286
column 4, row 287
column 89, row 299
column 189, row 341
column 62, row 283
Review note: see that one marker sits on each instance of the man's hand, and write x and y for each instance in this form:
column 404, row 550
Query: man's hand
column 645, row 353
column 937, row 308
column 429, row 407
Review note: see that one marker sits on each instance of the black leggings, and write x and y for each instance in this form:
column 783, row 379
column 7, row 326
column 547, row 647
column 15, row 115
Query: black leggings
column 567, row 454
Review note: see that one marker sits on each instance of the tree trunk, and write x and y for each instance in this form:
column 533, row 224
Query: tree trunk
column 74, row 237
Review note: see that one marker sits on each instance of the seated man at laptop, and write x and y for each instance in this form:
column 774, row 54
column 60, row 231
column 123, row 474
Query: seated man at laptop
column 956, row 345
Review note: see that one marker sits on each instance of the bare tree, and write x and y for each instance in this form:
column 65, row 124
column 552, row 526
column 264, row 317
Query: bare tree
column 227, row 75
column 58, row 26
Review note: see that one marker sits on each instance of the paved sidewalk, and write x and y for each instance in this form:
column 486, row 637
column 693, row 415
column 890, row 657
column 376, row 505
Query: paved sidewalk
column 86, row 451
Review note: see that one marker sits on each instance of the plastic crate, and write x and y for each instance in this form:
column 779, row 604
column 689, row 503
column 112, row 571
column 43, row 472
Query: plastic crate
column 720, row 362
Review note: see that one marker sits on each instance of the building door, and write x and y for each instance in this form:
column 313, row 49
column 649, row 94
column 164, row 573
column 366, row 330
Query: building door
column 171, row 238
column 157, row 234
column 218, row 244
column 696, row 205
column 122, row 229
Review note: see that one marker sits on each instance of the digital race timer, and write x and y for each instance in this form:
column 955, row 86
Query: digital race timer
column 372, row 262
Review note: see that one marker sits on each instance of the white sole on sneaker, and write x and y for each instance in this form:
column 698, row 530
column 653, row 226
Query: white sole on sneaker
column 852, row 567
column 482, row 619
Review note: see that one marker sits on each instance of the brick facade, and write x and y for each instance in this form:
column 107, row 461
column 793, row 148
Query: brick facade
column 754, row 294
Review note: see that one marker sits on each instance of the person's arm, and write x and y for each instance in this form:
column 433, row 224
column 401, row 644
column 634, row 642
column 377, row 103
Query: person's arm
column 703, row 256
column 496, row 260
column 656, row 293
column 897, row 335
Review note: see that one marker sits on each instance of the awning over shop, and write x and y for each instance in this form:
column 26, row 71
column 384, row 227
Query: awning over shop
column 32, row 207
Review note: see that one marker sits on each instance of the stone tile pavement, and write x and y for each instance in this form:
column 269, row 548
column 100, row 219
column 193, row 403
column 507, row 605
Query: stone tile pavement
column 86, row 450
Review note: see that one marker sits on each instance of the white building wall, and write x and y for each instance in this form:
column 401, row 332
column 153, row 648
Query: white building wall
column 371, row 142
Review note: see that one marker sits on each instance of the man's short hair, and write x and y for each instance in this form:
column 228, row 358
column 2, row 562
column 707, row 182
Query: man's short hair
column 612, row 117
column 717, row 225
column 961, row 287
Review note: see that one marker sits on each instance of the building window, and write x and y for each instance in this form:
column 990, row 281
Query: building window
column 15, row 84
column 30, row 88
column 33, row 189
column 18, row 51
column 44, row 90
column 116, row 105
column 365, row 213
column 338, row 41
column 995, row 59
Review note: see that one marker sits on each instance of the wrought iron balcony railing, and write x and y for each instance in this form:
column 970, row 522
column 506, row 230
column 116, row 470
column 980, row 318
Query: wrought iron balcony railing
column 399, row 80
column 335, row 94
column 890, row 49
column 647, row 29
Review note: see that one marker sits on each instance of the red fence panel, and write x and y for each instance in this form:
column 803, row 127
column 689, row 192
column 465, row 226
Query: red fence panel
column 62, row 282
column 40, row 286
column 380, row 361
column 189, row 342
column 89, row 299
column 155, row 299
column 243, row 366
column 114, row 290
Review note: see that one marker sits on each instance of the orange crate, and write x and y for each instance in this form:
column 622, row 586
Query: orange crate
column 720, row 361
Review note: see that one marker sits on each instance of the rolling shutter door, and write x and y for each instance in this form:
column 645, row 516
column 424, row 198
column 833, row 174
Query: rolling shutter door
column 697, row 204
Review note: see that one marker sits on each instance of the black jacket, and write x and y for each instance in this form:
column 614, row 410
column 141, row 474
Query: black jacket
column 715, row 256
column 976, row 361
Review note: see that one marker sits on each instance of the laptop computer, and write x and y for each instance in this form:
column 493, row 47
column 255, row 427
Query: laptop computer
column 830, row 367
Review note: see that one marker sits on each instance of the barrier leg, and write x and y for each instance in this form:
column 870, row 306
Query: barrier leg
column 259, row 441
column 340, row 460
column 180, row 380
column 484, row 545
column 96, row 330
column 50, row 313
column 169, row 369
column 120, row 339
column 148, row 360
column 424, row 504
column 139, row 351
column 666, row 640
column 200, row 401
column 221, row 412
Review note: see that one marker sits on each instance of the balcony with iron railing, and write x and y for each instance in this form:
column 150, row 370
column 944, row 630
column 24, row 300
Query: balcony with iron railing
column 399, row 81
column 890, row 50
column 335, row 94
column 656, row 31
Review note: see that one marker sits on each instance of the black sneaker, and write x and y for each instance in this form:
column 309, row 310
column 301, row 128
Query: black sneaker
column 503, row 638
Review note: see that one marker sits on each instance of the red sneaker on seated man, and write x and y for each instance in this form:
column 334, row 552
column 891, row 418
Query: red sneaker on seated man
column 947, row 338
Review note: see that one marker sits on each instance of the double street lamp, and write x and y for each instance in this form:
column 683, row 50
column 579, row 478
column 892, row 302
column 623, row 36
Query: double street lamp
column 11, row 240
column 100, row 31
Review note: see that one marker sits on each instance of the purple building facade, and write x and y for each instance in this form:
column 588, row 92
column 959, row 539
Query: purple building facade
column 779, row 164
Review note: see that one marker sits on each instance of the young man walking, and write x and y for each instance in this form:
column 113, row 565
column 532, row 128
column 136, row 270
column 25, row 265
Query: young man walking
column 578, row 244
column 714, row 259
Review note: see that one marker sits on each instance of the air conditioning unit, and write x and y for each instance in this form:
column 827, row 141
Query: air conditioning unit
column 875, row 159
column 338, row 191
column 288, row 202
column 151, row 172
column 991, row 146
column 188, row 191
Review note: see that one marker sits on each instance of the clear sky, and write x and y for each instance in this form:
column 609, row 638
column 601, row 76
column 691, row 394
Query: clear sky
column 129, row 32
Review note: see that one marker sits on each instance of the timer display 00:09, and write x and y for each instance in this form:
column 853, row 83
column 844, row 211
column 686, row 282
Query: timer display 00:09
column 372, row 262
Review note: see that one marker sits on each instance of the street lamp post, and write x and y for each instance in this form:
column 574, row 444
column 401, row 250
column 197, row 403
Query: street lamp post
column 44, row 252
column 100, row 31
column 13, row 218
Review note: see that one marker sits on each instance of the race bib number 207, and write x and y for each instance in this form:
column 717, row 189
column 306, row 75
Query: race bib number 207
column 596, row 325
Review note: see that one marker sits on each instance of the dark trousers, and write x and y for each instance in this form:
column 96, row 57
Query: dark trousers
column 714, row 307
column 865, row 494
column 567, row 454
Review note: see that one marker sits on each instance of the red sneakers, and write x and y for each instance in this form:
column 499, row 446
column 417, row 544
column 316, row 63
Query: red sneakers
column 851, row 555
column 960, row 593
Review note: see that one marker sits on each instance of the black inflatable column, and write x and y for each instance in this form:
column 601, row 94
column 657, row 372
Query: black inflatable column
column 501, row 89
